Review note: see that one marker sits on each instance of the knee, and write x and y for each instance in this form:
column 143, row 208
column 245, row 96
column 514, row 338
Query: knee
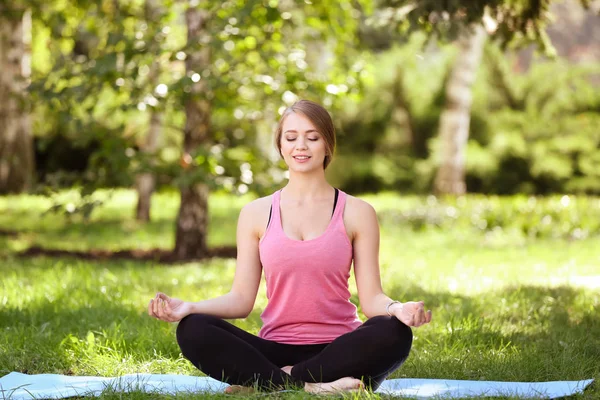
column 397, row 336
column 404, row 337
column 193, row 328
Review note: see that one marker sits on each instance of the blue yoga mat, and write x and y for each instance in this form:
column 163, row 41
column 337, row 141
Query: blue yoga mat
column 17, row 386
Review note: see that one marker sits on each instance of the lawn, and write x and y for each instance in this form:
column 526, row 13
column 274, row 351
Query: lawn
column 515, row 300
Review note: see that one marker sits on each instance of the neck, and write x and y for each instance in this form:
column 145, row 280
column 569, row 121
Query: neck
column 303, row 186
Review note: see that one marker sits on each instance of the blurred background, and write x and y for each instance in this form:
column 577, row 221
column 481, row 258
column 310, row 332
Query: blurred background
column 498, row 99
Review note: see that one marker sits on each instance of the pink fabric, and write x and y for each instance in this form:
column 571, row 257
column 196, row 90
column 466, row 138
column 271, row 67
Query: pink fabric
column 307, row 282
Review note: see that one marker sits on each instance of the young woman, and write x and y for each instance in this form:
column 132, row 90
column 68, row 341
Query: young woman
column 305, row 238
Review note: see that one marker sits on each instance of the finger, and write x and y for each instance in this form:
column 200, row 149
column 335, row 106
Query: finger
column 156, row 307
column 169, row 312
column 168, row 309
column 161, row 309
column 165, row 312
column 163, row 296
column 426, row 317
column 418, row 322
column 150, row 310
column 421, row 315
column 415, row 313
column 411, row 321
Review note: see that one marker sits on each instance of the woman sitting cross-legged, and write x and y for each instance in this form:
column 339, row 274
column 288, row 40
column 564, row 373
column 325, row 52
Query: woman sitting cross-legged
column 305, row 237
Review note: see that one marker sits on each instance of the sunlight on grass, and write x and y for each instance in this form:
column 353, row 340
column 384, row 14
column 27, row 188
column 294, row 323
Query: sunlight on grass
column 519, row 309
column 112, row 226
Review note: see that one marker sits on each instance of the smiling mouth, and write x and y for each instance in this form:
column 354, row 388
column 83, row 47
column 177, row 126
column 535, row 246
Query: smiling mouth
column 301, row 157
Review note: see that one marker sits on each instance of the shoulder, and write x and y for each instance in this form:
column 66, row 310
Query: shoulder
column 257, row 205
column 256, row 208
column 358, row 208
column 255, row 214
column 359, row 216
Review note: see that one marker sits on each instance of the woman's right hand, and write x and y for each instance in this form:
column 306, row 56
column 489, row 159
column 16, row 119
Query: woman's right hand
column 168, row 309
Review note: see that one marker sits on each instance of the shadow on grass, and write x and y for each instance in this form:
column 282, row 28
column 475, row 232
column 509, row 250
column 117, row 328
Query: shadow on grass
column 221, row 227
column 52, row 337
column 116, row 239
column 522, row 333
column 8, row 233
column 157, row 255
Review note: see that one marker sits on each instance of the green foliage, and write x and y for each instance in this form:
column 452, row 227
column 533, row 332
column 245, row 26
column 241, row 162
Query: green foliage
column 109, row 66
column 516, row 22
column 100, row 69
column 532, row 132
column 560, row 217
column 382, row 136
column 544, row 133
column 83, row 205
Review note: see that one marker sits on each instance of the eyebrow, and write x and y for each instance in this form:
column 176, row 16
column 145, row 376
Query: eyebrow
column 295, row 131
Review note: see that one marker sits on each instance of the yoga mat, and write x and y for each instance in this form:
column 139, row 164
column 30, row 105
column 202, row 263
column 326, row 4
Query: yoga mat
column 17, row 386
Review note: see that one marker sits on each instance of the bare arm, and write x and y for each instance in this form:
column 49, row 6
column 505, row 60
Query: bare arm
column 365, row 231
column 364, row 228
column 238, row 303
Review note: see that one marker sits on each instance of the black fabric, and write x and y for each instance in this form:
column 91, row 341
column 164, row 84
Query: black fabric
column 337, row 193
column 335, row 199
column 230, row 354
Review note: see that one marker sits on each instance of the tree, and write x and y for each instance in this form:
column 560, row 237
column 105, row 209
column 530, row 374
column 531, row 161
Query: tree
column 455, row 117
column 260, row 47
column 509, row 21
column 241, row 60
column 146, row 181
column 16, row 144
column 192, row 218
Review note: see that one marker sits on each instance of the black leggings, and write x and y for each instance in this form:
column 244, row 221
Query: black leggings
column 227, row 353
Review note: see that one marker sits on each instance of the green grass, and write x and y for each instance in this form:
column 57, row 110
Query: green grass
column 506, row 306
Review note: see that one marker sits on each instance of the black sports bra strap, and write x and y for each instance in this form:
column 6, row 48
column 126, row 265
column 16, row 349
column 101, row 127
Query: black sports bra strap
column 337, row 193
column 270, row 212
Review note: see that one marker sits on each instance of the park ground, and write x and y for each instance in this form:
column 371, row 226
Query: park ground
column 514, row 285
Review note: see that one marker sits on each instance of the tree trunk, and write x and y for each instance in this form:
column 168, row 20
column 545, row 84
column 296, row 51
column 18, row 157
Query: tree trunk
column 16, row 143
column 401, row 114
column 145, row 182
column 455, row 118
column 192, row 219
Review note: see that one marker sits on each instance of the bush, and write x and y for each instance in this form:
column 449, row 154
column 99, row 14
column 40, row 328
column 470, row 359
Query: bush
column 558, row 217
column 533, row 133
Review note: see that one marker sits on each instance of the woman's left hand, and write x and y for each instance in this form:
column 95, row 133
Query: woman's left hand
column 412, row 313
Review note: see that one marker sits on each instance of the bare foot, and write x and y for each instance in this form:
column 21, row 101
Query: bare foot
column 237, row 389
column 347, row 384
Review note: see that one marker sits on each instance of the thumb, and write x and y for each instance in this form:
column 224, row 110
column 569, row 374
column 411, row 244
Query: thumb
column 163, row 296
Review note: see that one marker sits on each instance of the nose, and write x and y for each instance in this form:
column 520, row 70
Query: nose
column 301, row 143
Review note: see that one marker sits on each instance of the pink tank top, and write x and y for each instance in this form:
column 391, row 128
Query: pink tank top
column 307, row 282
